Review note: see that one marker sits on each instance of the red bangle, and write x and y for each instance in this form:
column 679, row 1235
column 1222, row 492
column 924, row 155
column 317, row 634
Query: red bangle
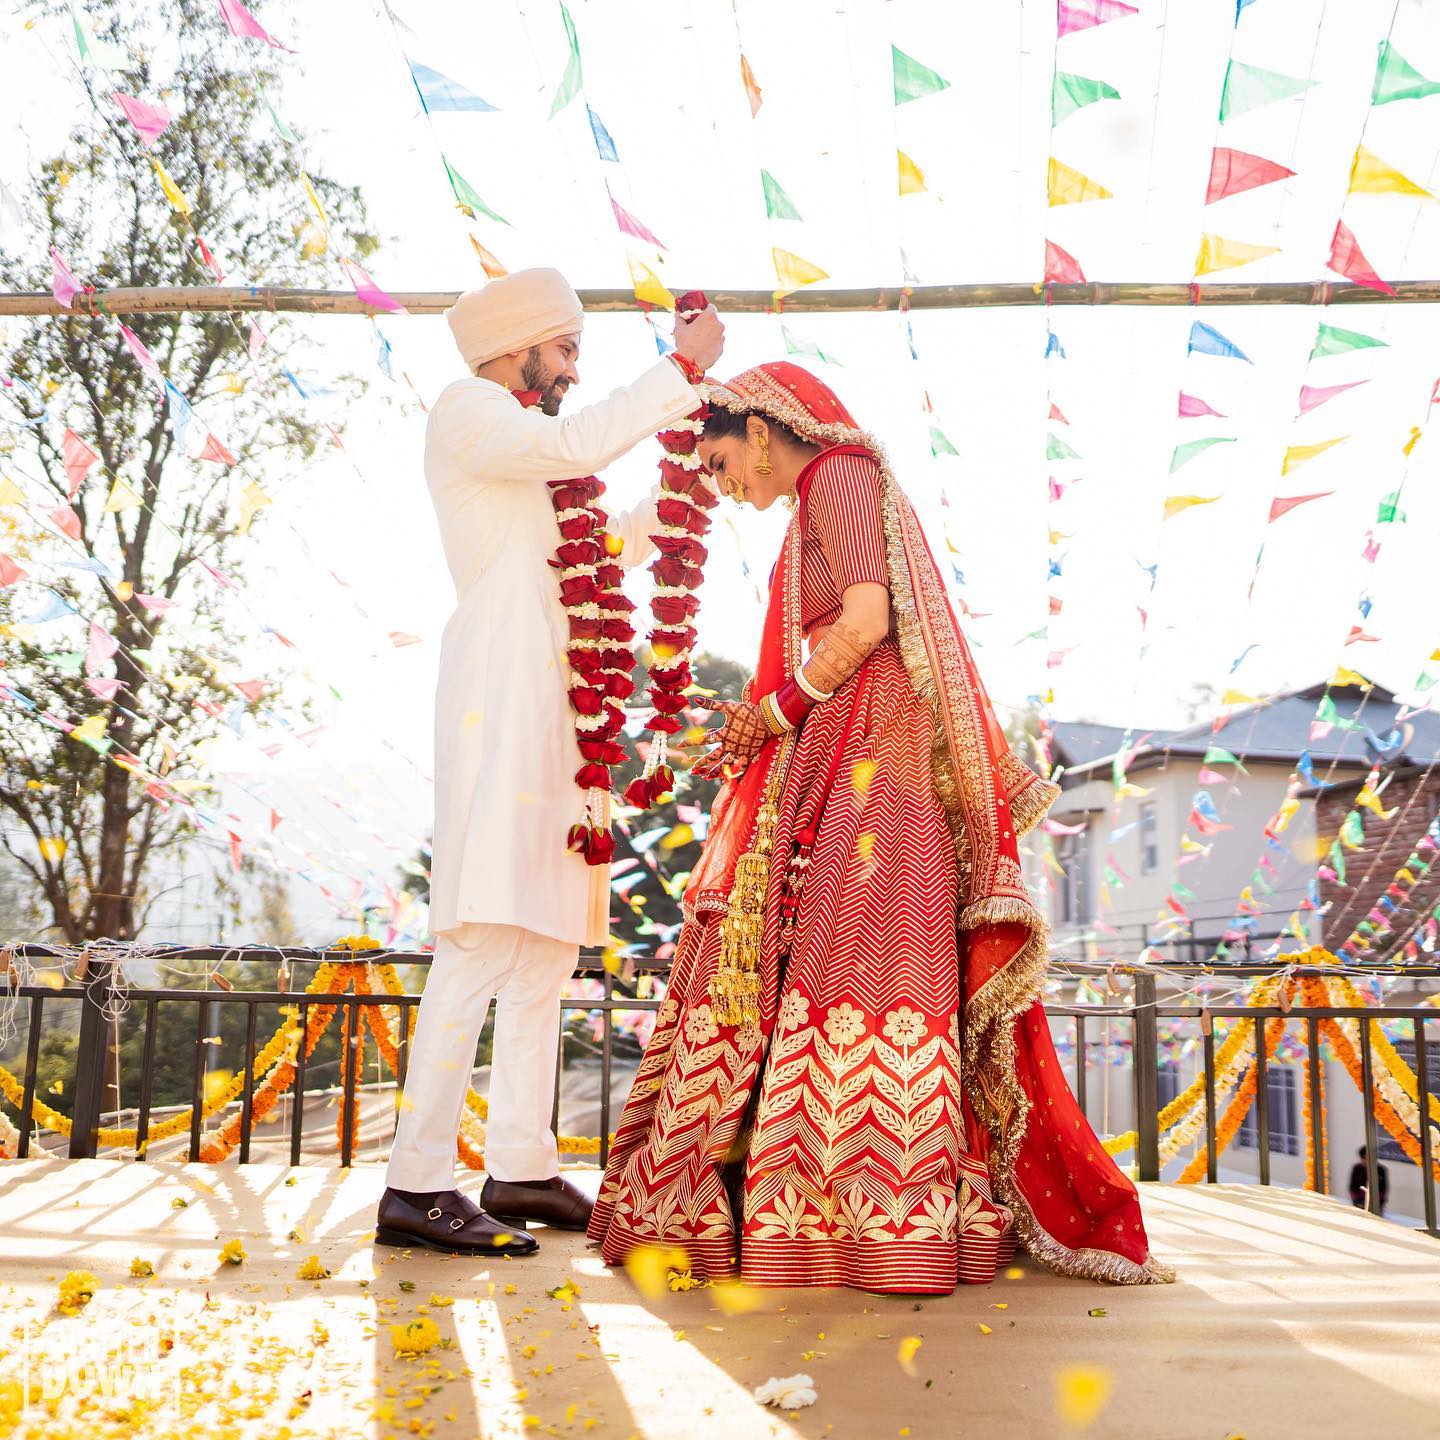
column 688, row 368
column 792, row 702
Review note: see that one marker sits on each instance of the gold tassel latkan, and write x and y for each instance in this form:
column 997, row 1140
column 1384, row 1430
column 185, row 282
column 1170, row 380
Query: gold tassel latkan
column 735, row 987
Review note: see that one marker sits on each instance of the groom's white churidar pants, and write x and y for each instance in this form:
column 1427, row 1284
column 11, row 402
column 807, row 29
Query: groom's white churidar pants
column 524, row 973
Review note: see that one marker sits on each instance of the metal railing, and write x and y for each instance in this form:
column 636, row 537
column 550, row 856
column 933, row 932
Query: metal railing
column 1142, row 1010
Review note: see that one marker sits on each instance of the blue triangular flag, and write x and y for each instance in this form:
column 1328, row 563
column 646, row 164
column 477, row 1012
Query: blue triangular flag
column 1053, row 346
column 1206, row 340
column 385, row 357
column 52, row 609
column 439, row 92
column 179, row 413
column 603, row 143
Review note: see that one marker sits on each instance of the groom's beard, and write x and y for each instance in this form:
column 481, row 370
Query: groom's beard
column 535, row 377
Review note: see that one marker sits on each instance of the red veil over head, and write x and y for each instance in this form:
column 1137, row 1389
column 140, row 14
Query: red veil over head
column 1074, row 1209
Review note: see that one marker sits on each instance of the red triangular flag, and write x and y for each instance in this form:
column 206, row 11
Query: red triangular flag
column 215, row 450
column 1232, row 171
column 252, row 690
column 1055, row 414
column 1356, row 633
column 78, row 458
column 66, row 519
column 275, row 818
column 1061, row 267
column 10, row 572
column 1281, row 503
column 1348, row 259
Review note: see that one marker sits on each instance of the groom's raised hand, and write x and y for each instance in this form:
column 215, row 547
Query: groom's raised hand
column 701, row 338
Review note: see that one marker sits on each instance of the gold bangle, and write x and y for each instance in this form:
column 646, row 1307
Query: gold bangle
column 775, row 722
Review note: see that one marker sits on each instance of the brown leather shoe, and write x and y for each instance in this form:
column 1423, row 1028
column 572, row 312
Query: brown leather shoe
column 453, row 1223
column 555, row 1202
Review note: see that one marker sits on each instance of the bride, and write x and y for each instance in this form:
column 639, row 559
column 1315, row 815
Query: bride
column 851, row 1079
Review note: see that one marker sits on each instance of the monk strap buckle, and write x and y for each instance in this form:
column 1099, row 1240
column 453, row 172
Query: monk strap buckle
column 434, row 1214
column 456, row 1224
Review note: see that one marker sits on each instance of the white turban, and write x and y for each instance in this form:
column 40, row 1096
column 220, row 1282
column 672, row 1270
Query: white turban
column 513, row 313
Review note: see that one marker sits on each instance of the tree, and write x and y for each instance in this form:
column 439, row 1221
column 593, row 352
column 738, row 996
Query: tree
column 95, row 810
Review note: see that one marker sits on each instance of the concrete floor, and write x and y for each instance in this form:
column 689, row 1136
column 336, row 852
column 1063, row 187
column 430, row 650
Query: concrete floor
column 1293, row 1316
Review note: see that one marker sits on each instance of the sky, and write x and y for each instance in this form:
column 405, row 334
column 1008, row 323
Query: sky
column 348, row 553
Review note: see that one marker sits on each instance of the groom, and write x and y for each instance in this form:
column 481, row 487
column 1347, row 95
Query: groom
column 509, row 904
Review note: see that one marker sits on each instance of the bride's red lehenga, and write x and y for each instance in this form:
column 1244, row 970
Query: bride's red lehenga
column 890, row 1114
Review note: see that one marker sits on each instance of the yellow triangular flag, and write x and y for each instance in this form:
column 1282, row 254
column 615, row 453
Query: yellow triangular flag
column 1056, row 536
column 1409, row 446
column 1069, row 187
column 314, row 199
column 792, row 272
column 912, row 177
column 91, row 729
column 53, row 847
column 1174, row 504
column 493, row 269
column 171, row 189
column 1218, row 253
column 10, row 492
column 1139, row 791
column 648, row 285
column 1342, row 676
column 1299, row 454
column 1371, row 801
column 122, row 497
column 252, row 498
column 1370, row 175
column 1238, row 697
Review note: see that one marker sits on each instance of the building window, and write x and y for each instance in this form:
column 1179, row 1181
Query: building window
column 1283, row 1090
column 1073, row 853
column 1149, row 839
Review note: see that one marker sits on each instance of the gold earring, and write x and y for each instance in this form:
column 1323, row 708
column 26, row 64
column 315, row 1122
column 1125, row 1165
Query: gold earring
column 764, row 467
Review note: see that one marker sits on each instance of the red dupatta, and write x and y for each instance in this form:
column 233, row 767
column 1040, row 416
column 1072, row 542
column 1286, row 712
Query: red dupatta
column 1074, row 1209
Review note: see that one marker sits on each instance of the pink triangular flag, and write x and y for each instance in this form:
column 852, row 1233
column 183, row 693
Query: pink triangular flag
column 246, row 26
column 78, row 457
column 631, row 226
column 149, row 120
column 1372, row 547
column 275, row 818
column 10, row 572
column 1312, row 396
column 257, row 338
column 252, row 690
column 66, row 519
column 1283, row 503
column 1061, row 267
column 215, row 450
column 102, row 687
column 1057, row 488
column 236, row 847
column 64, row 286
column 1192, row 407
column 1232, row 171
column 156, row 604
column 1356, row 633
column 1073, row 15
column 368, row 291
column 211, row 263
column 1208, row 776
column 144, row 358
column 1057, row 414
column 1348, row 259
column 101, row 646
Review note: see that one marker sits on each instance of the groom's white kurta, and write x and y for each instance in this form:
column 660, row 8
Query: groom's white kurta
column 505, row 748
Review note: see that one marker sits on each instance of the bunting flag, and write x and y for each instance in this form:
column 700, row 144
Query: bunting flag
column 100, row 646
column 92, row 733
column 1057, row 414
column 1174, row 504
column 1057, row 449
column 66, row 518
column 97, row 54
column 246, row 27
column 1248, row 87
column 778, row 205
column 1192, row 407
column 1390, row 511
column 64, row 286
column 604, row 145
column 792, row 272
column 1313, row 396
column 1232, row 171
column 122, row 497
column 1370, row 175
column 281, row 128
column 1299, row 454
column 1069, row 187
column 752, row 90
column 314, row 199
column 10, row 492
column 1206, row 340
column 1218, row 253
column 467, row 198
column 1061, row 267
column 1073, row 15
column 574, row 77
column 1347, row 259
column 173, row 193
column 1397, row 79
column 440, row 92
column 369, row 293
column 149, row 120
column 940, row 443
column 914, row 81
column 631, row 226
column 78, row 457
column 912, row 177
column 794, row 345
column 1186, row 452
column 1331, row 340
column 216, row 450
column 1283, row 504
column 488, row 263
column 649, row 288
column 1070, row 93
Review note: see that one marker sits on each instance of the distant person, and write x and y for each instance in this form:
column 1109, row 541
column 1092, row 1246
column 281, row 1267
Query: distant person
column 1359, row 1184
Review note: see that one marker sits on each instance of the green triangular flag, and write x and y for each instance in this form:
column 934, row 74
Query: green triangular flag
column 1352, row 831
column 940, row 442
column 796, row 346
column 1397, row 79
column 1331, row 340
column 1183, row 892
column 1247, row 87
column 98, row 54
column 1073, row 92
column 1185, row 453
column 913, row 81
column 1325, row 712
column 281, row 128
column 1057, row 449
column 466, row 196
column 573, row 78
column 1427, row 681
column 68, row 662
column 1219, row 755
column 1390, row 510
column 778, row 205
column 1337, row 861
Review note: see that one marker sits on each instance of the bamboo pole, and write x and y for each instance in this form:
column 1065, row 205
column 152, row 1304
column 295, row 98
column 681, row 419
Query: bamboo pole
column 273, row 299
